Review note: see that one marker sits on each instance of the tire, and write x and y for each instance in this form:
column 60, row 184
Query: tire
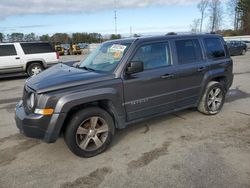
column 213, row 98
column 243, row 52
column 34, row 69
column 81, row 134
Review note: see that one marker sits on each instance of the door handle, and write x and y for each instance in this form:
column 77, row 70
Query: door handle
column 167, row 76
column 17, row 57
column 201, row 69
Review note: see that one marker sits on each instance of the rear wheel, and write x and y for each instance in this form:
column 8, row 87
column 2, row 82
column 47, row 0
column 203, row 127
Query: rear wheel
column 34, row 69
column 89, row 132
column 243, row 52
column 213, row 98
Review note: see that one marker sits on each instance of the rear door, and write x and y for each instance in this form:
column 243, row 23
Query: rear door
column 191, row 69
column 39, row 51
column 151, row 91
column 9, row 60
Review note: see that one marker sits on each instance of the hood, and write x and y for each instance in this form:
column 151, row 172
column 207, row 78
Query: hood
column 61, row 76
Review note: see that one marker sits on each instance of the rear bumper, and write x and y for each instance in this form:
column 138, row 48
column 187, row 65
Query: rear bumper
column 46, row 128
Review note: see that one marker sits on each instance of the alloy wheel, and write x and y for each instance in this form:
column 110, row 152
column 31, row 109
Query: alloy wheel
column 214, row 100
column 92, row 133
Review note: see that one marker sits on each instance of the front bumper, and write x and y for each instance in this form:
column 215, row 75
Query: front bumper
column 46, row 128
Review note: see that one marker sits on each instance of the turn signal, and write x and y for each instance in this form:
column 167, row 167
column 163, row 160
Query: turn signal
column 46, row 112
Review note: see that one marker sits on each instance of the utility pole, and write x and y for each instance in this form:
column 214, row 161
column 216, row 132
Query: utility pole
column 115, row 12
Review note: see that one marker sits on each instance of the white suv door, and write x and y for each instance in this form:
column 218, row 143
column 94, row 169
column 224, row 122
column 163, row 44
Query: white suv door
column 9, row 59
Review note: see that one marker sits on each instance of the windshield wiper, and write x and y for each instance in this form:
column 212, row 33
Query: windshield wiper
column 87, row 68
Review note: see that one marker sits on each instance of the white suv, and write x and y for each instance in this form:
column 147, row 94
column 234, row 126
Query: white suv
column 30, row 58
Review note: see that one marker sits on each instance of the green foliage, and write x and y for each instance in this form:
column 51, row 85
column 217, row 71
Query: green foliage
column 113, row 36
column 1, row 37
column 30, row 37
column 136, row 35
column 86, row 37
column 61, row 38
column 45, row 38
column 15, row 37
column 244, row 11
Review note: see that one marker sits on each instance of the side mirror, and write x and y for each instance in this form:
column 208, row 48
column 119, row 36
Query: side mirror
column 135, row 67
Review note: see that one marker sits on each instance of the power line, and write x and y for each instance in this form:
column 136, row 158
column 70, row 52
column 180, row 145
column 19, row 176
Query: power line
column 115, row 12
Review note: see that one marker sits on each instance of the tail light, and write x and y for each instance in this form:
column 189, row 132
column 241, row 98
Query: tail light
column 57, row 55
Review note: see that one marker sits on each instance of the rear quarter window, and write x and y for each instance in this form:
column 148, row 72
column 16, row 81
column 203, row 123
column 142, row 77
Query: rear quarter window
column 188, row 51
column 36, row 48
column 7, row 50
column 214, row 48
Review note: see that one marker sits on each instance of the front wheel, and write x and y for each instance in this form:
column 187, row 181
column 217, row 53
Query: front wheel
column 89, row 132
column 213, row 98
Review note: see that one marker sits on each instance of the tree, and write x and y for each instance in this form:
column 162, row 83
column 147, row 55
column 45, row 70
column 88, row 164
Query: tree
column 114, row 36
column 195, row 27
column 15, row 37
column 86, row 37
column 233, row 12
column 244, row 15
column 1, row 37
column 30, row 37
column 202, row 6
column 60, row 38
column 215, row 11
column 136, row 35
column 45, row 38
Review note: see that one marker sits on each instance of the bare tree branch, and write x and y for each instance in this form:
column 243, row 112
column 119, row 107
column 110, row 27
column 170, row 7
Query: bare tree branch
column 202, row 6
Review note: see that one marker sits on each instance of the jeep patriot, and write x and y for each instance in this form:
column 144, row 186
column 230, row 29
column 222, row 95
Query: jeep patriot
column 124, row 82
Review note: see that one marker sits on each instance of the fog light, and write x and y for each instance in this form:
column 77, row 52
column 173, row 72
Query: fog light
column 47, row 111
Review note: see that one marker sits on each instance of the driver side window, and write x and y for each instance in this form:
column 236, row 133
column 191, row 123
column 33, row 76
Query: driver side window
column 153, row 55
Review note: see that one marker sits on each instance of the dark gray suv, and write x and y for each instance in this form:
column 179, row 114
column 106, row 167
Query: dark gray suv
column 123, row 82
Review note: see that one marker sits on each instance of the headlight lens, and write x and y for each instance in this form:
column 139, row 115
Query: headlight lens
column 31, row 101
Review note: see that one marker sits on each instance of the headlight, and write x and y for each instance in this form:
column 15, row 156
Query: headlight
column 31, row 100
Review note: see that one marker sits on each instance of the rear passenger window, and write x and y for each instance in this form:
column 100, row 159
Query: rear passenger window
column 153, row 55
column 36, row 48
column 188, row 51
column 214, row 48
column 7, row 50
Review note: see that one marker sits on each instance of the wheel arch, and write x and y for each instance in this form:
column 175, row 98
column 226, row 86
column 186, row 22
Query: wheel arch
column 104, row 104
column 218, row 77
column 34, row 61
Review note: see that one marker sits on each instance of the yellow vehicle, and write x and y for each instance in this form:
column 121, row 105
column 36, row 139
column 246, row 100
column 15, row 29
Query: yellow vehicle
column 59, row 49
column 75, row 49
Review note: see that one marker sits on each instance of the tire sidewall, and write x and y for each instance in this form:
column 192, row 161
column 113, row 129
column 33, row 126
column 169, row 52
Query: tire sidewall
column 75, row 122
column 216, row 85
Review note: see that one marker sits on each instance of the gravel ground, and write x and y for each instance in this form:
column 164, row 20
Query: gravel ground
column 184, row 149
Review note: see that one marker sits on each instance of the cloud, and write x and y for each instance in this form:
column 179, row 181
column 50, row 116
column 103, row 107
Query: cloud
column 16, row 28
column 26, row 7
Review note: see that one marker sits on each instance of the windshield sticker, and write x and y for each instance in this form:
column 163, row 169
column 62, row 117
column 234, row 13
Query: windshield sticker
column 117, row 54
column 117, row 47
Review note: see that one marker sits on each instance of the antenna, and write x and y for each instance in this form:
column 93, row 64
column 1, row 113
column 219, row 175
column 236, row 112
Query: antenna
column 115, row 12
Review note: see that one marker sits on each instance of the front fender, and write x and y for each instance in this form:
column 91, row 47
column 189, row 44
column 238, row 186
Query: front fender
column 67, row 102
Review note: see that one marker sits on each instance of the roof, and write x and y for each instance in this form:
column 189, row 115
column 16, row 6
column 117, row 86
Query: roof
column 167, row 36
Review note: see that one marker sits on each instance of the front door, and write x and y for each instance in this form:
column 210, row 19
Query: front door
column 151, row 91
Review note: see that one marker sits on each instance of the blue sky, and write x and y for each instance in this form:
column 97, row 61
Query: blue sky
column 152, row 18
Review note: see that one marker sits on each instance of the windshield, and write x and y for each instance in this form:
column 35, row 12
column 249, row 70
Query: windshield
column 106, row 57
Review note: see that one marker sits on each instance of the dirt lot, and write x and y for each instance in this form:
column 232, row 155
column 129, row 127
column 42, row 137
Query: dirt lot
column 185, row 149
